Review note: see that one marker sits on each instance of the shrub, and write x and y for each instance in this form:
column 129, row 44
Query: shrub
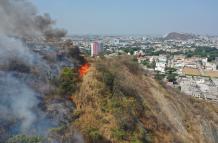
column 171, row 77
column 119, row 134
column 136, row 141
column 69, row 80
column 25, row 139
column 94, row 134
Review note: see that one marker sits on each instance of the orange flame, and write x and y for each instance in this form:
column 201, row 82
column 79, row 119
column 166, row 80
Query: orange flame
column 84, row 69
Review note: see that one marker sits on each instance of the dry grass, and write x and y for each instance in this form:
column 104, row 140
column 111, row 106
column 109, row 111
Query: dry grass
column 139, row 107
column 88, row 100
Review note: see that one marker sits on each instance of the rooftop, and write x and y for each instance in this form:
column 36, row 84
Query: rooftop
column 191, row 71
column 196, row 72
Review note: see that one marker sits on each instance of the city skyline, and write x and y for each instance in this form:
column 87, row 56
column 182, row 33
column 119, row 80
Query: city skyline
column 133, row 17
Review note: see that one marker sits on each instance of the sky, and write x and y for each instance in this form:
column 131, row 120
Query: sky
column 133, row 16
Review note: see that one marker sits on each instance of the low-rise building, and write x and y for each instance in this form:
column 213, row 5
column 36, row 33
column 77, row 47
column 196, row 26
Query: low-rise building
column 200, row 87
column 161, row 64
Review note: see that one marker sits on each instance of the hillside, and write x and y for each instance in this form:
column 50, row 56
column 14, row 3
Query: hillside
column 179, row 36
column 117, row 102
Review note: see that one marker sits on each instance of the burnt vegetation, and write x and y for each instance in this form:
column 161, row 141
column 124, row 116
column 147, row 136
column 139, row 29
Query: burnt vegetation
column 18, row 66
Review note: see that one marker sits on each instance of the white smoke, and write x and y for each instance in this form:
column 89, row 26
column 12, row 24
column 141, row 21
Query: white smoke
column 20, row 93
column 13, row 49
column 17, row 101
column 19, row 109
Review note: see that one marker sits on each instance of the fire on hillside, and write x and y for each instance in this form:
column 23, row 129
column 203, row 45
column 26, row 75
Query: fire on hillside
column 84, row 69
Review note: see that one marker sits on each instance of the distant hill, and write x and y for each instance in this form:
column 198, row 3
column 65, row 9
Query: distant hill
column 179, row 36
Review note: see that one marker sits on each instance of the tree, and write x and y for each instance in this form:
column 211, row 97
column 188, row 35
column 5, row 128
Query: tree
column 153, row 64
column 171, row 77
column 170, row 70
column 171, row 74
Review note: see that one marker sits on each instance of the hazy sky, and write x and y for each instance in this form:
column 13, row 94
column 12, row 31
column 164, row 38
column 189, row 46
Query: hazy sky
column 133, row 16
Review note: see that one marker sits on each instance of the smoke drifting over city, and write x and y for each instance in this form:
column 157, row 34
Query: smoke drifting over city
column 20, row 18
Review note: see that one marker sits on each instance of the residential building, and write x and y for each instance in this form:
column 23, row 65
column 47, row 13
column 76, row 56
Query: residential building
column 96, row 48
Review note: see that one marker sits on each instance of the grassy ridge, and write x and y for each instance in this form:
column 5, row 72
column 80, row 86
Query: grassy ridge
column 117, row 102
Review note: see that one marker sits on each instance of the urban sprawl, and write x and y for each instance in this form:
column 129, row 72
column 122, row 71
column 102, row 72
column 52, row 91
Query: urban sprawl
column 184, row 61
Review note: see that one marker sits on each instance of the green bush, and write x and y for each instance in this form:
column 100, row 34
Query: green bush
column 171, row 74
column 136, row 141
column 25, row 139
column 69, row 80
column 94, row 134
column 119, row 134
column 171, row 77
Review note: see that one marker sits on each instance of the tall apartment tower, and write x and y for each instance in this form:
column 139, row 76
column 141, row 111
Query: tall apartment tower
column 96, row 48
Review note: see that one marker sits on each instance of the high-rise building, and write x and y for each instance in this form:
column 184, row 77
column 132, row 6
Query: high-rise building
column 96, row 48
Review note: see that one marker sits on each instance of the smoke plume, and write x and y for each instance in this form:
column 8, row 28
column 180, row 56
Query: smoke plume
column 19, row 104
column 25, row 72
column 19, row 18
column 20, row 87
column 17, row 101
column 13, row 49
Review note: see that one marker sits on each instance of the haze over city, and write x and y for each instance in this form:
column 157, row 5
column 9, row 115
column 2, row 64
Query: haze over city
column 133, row 16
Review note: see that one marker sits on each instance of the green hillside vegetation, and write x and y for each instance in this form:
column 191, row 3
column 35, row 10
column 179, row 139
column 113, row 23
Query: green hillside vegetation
column 25, row 139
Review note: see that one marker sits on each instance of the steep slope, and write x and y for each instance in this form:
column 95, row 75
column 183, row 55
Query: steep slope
column 117, row 102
